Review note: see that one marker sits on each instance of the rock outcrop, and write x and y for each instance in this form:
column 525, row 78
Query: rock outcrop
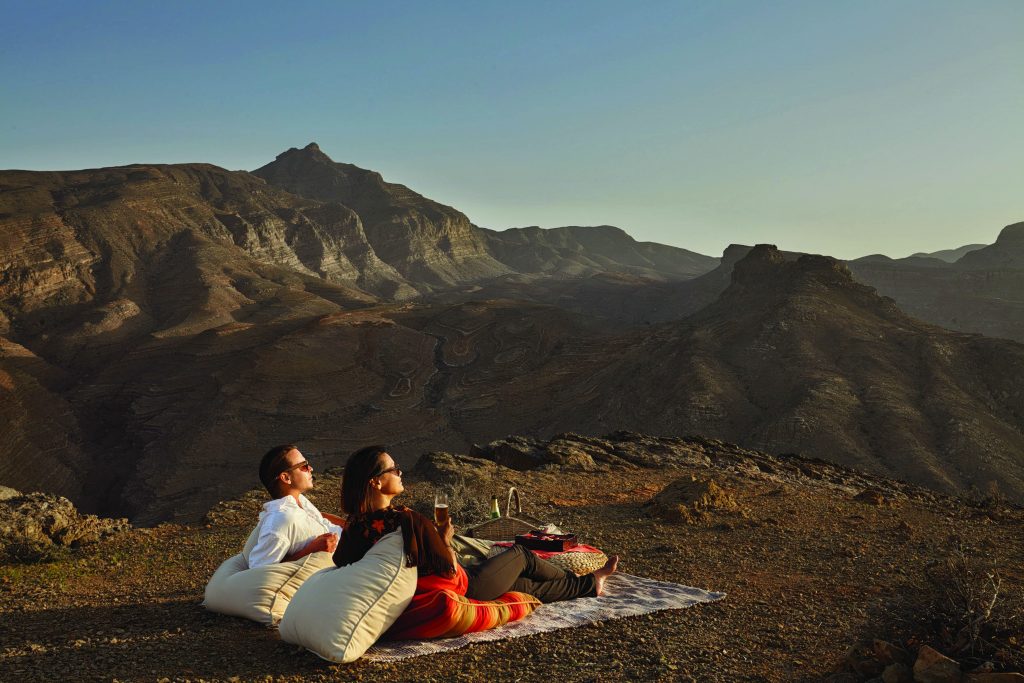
column 32, row 525
column 447, row 468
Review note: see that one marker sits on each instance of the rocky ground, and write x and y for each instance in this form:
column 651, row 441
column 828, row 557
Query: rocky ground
column 818, row 561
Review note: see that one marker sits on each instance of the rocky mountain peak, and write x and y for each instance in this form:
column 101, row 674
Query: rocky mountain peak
column 734, row 252
column 309, row 154
column 765, row 264
column 760, row 262
column 1012, row 234
column 1007, row 252
column 427, row 242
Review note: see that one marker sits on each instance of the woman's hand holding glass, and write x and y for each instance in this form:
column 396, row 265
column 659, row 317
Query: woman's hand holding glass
column 447, row 532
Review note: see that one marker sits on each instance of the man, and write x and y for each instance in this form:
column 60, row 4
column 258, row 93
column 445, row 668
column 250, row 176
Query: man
column 290, row 525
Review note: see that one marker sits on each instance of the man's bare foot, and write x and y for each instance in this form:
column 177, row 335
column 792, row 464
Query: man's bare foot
column 604, row 572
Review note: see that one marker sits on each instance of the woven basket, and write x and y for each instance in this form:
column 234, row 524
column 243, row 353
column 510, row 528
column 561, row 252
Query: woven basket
column 579, row 563
column 505, row 528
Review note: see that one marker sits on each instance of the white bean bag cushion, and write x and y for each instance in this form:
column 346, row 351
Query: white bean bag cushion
column 260, row 594
column 339, row 613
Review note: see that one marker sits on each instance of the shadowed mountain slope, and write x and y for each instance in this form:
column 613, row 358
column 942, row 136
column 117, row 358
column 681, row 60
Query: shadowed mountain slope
column 981, row 292
column 616, row 296
column 100, row 264
column 575, row 251
column 797, row 356
column 39, row 438
column 416, row 378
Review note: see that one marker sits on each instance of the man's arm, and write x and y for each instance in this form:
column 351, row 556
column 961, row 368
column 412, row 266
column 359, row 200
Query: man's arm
column 270, row 548
column 323, row 543
column 334, row 519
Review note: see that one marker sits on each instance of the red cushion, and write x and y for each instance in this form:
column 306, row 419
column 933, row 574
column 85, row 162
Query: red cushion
column 459, row 583
column 446, row 614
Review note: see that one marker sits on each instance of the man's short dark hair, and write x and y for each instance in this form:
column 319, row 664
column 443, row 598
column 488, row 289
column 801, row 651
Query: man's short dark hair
column 275, row 462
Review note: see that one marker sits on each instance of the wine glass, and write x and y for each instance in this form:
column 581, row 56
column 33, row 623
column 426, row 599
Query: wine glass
column 440, row 509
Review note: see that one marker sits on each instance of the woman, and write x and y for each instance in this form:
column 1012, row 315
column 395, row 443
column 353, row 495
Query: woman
column 372, row 480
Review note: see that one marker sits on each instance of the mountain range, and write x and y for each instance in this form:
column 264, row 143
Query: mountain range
column 161, row 325
column 981, row 291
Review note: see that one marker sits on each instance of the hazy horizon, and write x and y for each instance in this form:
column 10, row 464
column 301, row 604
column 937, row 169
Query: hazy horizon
column 842, row 129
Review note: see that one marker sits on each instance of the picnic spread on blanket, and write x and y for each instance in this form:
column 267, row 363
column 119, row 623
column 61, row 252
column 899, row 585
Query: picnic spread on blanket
column 379, row 608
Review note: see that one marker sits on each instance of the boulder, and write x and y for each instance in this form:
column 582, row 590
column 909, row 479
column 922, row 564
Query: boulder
column 934, row 667
column 897, row 673
column 887, row 653
column 514, row 452
column 690, row 500
column 860, row 658
column 444, row 468
column 568, row 456
column 843, row 677
column 871, row 497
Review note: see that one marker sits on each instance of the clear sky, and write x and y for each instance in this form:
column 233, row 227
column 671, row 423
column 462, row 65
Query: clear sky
column 841, row 127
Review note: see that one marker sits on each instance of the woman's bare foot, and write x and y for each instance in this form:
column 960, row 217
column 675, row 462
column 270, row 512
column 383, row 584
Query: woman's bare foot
column 604, row 572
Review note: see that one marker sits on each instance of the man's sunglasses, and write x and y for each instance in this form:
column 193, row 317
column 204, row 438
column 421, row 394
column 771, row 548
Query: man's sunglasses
column 304, row 466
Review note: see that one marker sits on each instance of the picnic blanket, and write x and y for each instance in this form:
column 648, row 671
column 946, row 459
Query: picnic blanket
column 625, row 596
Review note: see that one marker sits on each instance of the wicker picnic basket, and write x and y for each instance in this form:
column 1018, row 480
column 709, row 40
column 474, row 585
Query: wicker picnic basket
column 505, row 528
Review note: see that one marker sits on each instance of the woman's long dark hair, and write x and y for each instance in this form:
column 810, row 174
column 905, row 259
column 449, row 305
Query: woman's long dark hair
column 361, row 468
column 424, row 548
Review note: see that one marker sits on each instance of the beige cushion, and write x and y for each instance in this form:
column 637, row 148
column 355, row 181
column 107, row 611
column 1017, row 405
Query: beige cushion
column 260, row 594
column 339, row 613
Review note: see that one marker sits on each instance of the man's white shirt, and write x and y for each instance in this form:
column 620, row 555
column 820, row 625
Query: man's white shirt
column 286, row 528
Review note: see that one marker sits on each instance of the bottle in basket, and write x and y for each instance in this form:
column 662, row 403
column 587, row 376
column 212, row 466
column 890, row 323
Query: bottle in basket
column 440, row 509
column 495, row 512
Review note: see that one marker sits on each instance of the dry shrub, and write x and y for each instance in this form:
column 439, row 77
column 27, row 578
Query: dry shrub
column 469, row 499
column 33, row 552
column 976, row 614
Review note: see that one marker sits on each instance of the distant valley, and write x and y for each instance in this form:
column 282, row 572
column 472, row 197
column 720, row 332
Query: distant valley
column 160, row 325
